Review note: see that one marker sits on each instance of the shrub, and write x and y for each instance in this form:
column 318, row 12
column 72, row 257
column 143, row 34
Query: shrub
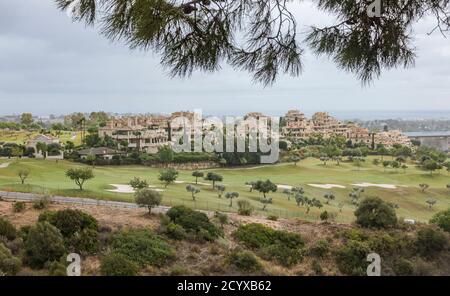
column 403, row 267
column 351, row 258
column 272, row 218
column 430, row 241
column 142, row 247
column 175, row 231
column 15, row 245
column 43, row 243
column 116, row 264
column 41, row 203
column 442, row 219
column 56, row 268
column 7, row 229
column 244, row 261
column 283, row 254
column 69, row 221
column 244, row 208
column 19, row 207
column 285, row 247
column 316, row 267
column 194, row 222
column 424, row 268
column 320, row 249
column 222, row 218
column 9, row 264
column 324, row 216
column 84, row 241
column 374, row 212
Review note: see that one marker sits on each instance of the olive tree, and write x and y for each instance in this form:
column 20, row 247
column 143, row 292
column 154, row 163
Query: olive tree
column 80, row 175
column 193, row 190
column 148, row 198
column 23, row 175
column 168, row 176
column 230, row 196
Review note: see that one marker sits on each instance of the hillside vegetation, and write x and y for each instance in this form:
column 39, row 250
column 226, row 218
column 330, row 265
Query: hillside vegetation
column 115, row 241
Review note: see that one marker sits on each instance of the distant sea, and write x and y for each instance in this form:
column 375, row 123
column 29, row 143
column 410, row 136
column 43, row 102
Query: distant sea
column 358, row 115
column 408, row 115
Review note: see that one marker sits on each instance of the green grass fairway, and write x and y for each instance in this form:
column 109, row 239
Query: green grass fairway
column 49, row 176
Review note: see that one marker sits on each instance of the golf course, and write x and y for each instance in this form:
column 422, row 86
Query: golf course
column 398, row 186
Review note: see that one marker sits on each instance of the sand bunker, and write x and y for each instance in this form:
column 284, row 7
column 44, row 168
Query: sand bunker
column 4, row 165
column 327, row 186
column 123, row 188
column 284, row 186
column 386, row 186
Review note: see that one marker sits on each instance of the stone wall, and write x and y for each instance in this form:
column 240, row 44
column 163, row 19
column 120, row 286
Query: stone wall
column 187, row 166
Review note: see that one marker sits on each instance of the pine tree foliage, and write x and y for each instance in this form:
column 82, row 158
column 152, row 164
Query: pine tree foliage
column 261, row 36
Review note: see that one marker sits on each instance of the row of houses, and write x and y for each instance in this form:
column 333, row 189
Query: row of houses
column 299, row 127
column 149, row 132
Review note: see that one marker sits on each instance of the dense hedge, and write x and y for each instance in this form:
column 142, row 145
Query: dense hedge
column 142, row 247
column 285, row 247
column 9, row 265
column 44, row 243
column 79, row 229
column 244, row 261
column 7, row 229
column 116, row 264
column 194, row 222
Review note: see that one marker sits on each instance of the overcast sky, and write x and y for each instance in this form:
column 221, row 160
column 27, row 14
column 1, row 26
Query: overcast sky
column 49, row 65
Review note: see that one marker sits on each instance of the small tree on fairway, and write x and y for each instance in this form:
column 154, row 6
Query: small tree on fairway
column 448, row 186
column 386, row 163
column 168, row 176
column 358, row 162
column 431, row 165
column 251, row 185
column 324, row 216
column 220, row 190
column 423, row 186
column 80, row 175
column 148, row 198
column 265, row 201
column 138, row 183
column 23, row 175
column 303, row 200
column 230, row 196
column 395, row 165
column 211, row 176
column 295, row 159
column 265, row 187
column 404, row 167
column 288, row 193
column 197, row 174
column 376, row 161
column 431, row 202
column 329, row 196
column 193, row 190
